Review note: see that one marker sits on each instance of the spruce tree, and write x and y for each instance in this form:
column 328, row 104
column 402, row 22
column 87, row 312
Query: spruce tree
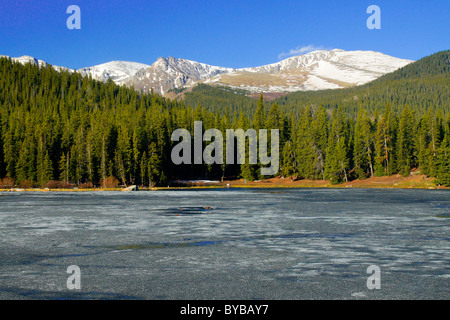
column 64, row 165
column 305, row 146
column 443, row 162
column 363, row 146
column 337, row 163
column 288, row 163
column 405, row 142
column 319, row 128
column 259, row 118
column 384, row 143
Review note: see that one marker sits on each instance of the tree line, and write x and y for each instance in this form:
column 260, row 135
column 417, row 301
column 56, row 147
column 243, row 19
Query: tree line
column 62, row 127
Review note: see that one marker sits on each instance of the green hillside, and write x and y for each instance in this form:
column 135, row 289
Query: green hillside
column 422, row 85
column 435, row 65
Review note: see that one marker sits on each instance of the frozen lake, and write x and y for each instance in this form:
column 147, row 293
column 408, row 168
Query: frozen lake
column 226, row 244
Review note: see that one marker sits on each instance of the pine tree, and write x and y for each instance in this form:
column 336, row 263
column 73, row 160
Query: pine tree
column 422, row 141
column 78, row 156
column 305, row 154
column 23, row 163
column 154, row 167
column 384, row 144
column 10, row 147
column 124, row 155
column 47, row 170
column 405, row 142
column 288, row 163
column 144, row 168
column 319, row 127
column 248, row 172
column 337, row 164
column 436, row 132
column 2, row 164
column 136, row 154
column 44, row 166
column 64, row 165
column 103, row 158
column 363, row 146
column 274, row 118
column 91, row 159
column 259, row 117
column 443, row 161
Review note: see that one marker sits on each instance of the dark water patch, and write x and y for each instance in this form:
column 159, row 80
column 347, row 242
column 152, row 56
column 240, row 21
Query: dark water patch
column 179, row 211
column 331, row 237
column 162, row 245
column 288, row 278
column 348, row 276
column 74, row 255
column 8, row 259
column 35, row 294
column 149, row 246
column 166, row 245
column 269, row 191
column 205, row 243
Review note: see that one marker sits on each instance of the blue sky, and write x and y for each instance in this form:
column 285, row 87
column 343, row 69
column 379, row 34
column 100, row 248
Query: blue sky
column 231, row 33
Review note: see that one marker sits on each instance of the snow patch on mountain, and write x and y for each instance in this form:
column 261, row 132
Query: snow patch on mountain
column 36, row 62
column 316, row 70
column 172, row 73
column 117, row 71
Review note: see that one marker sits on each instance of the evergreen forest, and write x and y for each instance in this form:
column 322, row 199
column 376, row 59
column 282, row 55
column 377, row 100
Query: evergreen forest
column 62, row 129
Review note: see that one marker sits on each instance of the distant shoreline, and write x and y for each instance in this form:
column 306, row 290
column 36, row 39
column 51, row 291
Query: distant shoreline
column 386, row 182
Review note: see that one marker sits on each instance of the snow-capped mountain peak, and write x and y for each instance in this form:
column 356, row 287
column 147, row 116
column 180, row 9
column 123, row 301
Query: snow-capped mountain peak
column 118, row 71
column 28, row 59
column 171, row 73
column 316, row 70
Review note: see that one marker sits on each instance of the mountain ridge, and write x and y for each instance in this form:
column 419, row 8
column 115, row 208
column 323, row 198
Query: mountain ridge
column 317, row 70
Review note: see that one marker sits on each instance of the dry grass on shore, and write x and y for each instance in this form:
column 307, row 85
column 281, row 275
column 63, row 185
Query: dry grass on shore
column 395, row 181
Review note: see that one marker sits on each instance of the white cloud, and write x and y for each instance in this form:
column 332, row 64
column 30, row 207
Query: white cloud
column 299, row 50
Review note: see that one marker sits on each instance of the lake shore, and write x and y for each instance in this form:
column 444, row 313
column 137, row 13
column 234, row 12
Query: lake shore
column 395, row 181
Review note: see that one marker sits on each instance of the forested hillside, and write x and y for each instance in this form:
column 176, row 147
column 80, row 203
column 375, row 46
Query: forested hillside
column 63, row 129
column 422, row 85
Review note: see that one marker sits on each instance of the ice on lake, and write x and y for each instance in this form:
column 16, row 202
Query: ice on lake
column 226, row 244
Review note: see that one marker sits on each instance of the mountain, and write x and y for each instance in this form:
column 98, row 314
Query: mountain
column 422, row 85
column 317, row 70
column 437, row 64
column 118, row 71
column 171, row 73
column 34, row 61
